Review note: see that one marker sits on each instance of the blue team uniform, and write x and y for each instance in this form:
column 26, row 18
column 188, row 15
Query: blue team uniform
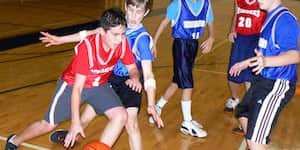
column 188, row 21
column 275, row 86
column 275, row 39
column 140, row 43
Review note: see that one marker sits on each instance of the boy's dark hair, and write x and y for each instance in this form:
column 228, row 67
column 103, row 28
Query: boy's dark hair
column 111, row 18
column 145, row 3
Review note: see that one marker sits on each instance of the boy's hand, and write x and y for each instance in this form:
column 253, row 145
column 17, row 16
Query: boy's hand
column 72, row 135
column 207, row 45
column 232, row 36
column 257, row 62
column 134, row 84
column 237, row 68
column 50, row 39
column 152, row 111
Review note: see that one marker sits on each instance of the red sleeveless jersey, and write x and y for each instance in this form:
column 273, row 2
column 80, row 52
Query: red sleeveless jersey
column 249, row 18
column 96, row 64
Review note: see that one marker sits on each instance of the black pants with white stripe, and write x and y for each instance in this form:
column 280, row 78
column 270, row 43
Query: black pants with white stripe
column 262, row 104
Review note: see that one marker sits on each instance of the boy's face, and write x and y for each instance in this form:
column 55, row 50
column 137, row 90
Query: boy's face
column 114, row 36
column 268, row 4
column 135, row 15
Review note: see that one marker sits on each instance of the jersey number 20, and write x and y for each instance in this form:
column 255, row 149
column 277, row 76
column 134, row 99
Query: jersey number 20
column 245, row 22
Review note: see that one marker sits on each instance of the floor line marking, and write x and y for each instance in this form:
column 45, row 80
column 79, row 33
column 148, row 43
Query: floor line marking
column 209, row 71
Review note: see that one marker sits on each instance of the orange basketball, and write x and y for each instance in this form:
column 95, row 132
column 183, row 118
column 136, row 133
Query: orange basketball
column 297, row 91
column 96, row 146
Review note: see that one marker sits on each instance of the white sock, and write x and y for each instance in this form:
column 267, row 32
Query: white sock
column 186, row 110
column 161, row 103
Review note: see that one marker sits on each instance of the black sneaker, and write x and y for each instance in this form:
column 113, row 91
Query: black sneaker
column 9, row 145
column 238, row 131
column 58, row 136
column 231, row 105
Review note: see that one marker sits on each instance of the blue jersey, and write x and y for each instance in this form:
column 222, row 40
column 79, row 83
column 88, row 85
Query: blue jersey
column 191, row 18
column 279, row 34
column 140, row 43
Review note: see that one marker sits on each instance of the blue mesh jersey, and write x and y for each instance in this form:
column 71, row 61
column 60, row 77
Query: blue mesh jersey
column 140, row 43
column 279, row 34
column 189, row 18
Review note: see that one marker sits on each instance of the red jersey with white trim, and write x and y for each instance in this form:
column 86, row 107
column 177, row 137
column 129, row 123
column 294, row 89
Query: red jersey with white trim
column 249, row 18
column 94, row 62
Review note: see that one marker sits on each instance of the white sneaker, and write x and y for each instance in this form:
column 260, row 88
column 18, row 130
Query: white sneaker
column 189, row 128
column 231, row 104
column 197, row 124
column 158, row 110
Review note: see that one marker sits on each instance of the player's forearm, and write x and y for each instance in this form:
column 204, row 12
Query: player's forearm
column 150, row 96
column 160, row 29
column 75, row 106
column 233, row 23
column 149, row 81
column 134, row 73
column 211, row 31
column 234, row 18
column 76, row 37
column 70, row 38
column 287, row 58
column 76, row 96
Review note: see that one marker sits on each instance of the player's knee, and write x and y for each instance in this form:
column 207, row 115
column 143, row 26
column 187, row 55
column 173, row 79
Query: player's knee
column 121, row 118
column 132, row 126
column 47, row 126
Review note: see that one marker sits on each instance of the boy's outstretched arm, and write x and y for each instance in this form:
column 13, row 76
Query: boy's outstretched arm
column 51, row 40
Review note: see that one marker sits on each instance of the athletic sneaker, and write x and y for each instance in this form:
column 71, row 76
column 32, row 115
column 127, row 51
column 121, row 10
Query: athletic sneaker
column 231, row 104
column 197, row 124
column 58, row 136
column 238, row 131
column 189, row 128
column 9, row 145
column 158, row 110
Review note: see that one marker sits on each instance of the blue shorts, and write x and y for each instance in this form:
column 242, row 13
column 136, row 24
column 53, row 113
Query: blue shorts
column 262, row 104
column 242, row 49
column 184, row 54
column 101, row 98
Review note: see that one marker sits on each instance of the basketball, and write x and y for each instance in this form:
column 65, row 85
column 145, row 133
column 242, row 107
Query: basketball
column 297, row 91
column 96, row 146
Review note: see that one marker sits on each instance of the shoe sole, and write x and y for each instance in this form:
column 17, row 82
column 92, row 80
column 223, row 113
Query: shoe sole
column 229, row 112
column 240, row 134
column 184, row 131
column 53, row 133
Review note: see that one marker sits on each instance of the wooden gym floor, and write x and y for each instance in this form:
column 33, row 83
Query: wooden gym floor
column 28, row 77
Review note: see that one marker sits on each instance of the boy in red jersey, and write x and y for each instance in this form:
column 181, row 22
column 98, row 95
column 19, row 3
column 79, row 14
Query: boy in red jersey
column 85, row 80
column 141, row 43
column 244, row 34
